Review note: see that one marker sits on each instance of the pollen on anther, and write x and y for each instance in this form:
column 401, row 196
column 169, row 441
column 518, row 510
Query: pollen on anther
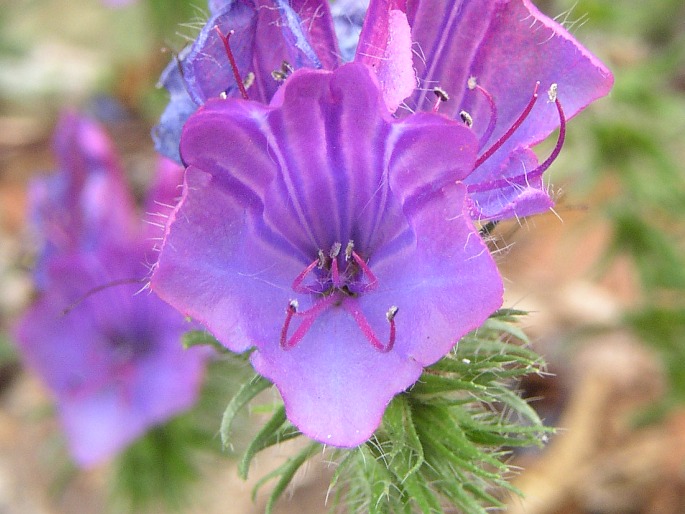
column 348, row 250
column 392, row 312
column 441, row 94
column 248, row 80
column 322, row 259
column 552, row 93
column 335, row 250
column 472, row 83
column 466, row 118
column 293, row 305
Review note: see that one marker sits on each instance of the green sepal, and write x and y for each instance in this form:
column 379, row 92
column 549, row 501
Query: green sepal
column 275, row 431
column 247, row 392
column 286, row 472
column 202, row 338
column 405, row 453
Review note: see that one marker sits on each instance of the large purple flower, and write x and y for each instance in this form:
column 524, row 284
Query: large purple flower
column 334, row 239
column 110, row 354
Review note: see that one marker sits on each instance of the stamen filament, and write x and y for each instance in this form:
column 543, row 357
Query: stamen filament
column 560, row 140
column 493, row 116
column 498, row 144
column 538, row 171
column 231, row 60
column 309, row 316
column 364, row 325
column 373, row 281
column 297, row 283
column 335, row 274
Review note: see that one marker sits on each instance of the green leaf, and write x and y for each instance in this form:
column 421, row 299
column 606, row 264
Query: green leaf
column 246, row 393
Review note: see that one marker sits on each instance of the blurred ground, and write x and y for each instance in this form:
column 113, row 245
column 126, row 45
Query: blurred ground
column 608, row 457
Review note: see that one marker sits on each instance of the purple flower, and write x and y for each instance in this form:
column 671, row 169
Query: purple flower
column 66, row 209
column 263, row 35
column 110, row 354
column 489, row 56
column 334, row 239
column 331, row 229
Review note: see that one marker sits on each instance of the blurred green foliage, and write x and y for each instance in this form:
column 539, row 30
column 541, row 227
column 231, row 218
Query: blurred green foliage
column 635, row 144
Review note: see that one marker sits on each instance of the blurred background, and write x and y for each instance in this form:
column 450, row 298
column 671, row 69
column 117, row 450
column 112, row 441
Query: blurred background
column 603, row 276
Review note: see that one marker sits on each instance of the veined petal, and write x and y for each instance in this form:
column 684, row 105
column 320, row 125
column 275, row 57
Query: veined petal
column 442, row 279
column 221, row 266
column 385, row 46
column 514, row 193
column 507, row 45
column 444, row 282
column 317, row 29
column 429, row 152
column 334, row 384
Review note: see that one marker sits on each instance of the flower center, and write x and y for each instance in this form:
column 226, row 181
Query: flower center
column 336, row 278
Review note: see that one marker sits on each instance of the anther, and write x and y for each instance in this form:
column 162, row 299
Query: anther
column 552, row 93
column 392, row 312
column 282, row 74
column 248, row 80
column 505, row 137
column 372, row 280
column 349, row 249
column 335, row 250
column 466, row 118
column 231, row 60
column 441, row 95
column 322, row 259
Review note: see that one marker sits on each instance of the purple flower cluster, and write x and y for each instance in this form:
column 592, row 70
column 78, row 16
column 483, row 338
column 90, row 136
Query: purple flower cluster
column 327, row 216
column 110, row 354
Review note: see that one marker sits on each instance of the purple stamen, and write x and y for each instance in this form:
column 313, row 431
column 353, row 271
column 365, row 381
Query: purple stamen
column 297, row 283
column 498, row 144
column 373, row 281
column 540, row 169
column 231, row 59
column 364, row 325
column 309, row 316
column 493, row 113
